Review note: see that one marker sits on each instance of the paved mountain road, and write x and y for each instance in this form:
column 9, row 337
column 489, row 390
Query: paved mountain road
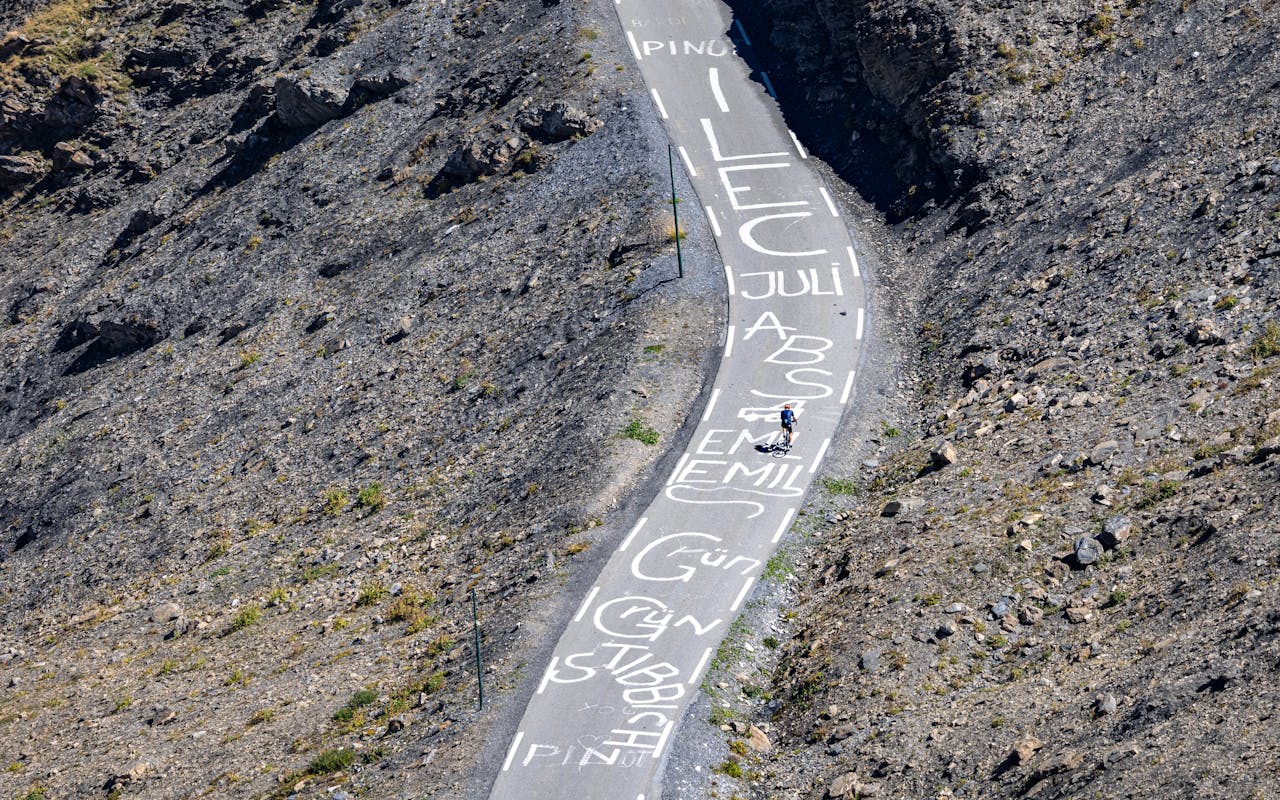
column 633, row 656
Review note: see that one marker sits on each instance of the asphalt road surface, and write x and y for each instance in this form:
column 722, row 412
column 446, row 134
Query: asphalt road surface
column 633, row 656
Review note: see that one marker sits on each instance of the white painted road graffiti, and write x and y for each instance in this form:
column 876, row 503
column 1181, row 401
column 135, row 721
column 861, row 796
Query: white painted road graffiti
column 630, row 661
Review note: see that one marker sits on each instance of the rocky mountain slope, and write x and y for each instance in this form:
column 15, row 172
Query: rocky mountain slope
column 1058, row 578
column 316, row 318
column 319, row 315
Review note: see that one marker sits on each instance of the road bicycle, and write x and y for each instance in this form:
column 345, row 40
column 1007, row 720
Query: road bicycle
column 783, row 445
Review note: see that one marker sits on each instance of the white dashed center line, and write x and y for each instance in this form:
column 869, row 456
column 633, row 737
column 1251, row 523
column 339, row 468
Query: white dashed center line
column 714, row 75
column 658, row 102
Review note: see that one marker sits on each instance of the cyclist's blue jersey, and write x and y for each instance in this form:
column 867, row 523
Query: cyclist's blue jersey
column 788, row 417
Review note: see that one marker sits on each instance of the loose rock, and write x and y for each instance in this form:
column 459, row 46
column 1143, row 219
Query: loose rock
column 1024, row 748
column 1086, row 551
column 758, row 741
column 944, row 455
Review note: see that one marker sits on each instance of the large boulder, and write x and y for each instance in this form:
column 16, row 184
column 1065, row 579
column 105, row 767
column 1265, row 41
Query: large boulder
column 76, row 104
column 15, row 115
column 558, row 122
column 67, row 156
column 12, row 44
column 309, row 101
column 20, row 170
column 375, row 86
column 476, row 158
column 1086, row 551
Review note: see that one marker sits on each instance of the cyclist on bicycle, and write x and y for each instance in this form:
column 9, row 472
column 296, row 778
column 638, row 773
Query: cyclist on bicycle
column 788, row 423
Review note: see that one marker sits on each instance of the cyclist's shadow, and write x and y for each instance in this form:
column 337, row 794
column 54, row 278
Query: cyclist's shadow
column 776, row 450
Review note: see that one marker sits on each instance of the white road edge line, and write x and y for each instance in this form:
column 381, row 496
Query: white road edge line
column 782, row 528
column 658, row 102
column 743, row 31
column 679, row 466
column 716, row 91
column 627, row 541
column 728, row 343
column 742, row 594
column 706, row 415
column 635, row 49
column 591, row 595
column 853, row 259
column 728, row 277
column 546, row 676
column 662, row 742
column 848, row 387
column 861, row 320
column 511, row 752
column 715, row 223
column 799, row 147
column 702, row 662
column 831, row 206
column 693, row 173
column 822, row 451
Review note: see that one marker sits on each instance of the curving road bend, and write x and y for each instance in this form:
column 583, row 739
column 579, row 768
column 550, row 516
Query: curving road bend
column 632, row 658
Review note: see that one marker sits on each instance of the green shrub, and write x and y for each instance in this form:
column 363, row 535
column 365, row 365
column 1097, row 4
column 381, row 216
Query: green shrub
column 219, row 549
column 1158, row 493
column 637, row 430
column 731, row 768
column 330, row 761
column 441, row 644
column 839, row 486
column 372, row 497
column 1100, row 26
column 371, row 593
column 410, row 607
column 1268, row 343
column 249, row 615
column 359, row 700
column 317, row 572
column 335, row 501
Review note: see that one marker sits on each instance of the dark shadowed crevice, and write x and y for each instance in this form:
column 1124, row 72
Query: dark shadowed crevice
column 110, row 340
column 857, row 86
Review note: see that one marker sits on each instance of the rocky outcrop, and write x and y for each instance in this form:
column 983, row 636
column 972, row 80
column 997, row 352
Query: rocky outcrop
column 231, row 321
column 19, row 170
column 1099, row 336
column 477, row 158
column 870, row 84
column 558, row 122
column 13, row 43
column 309, row 102
column 75, row 105
column 67, row 156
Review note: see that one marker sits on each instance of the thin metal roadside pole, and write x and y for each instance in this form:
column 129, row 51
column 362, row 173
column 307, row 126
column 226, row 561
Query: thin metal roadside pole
column 675, row 214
